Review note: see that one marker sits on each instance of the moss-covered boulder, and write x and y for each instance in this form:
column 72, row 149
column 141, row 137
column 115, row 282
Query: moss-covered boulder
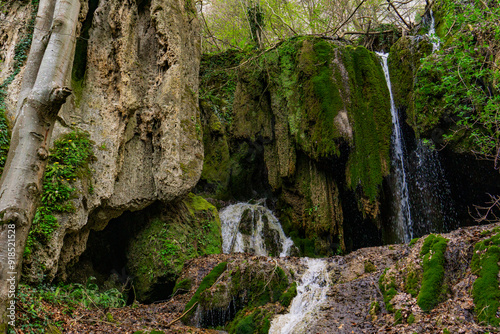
column 242, row 296
column 156, row 256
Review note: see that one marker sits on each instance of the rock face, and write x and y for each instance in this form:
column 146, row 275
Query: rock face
column 308, row 123
column 135, row 85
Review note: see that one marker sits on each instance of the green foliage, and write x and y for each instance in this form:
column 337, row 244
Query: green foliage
column 485, row 291
column 287, row 297
column 412, row 283
column 398, row 317
column 411, row 319
column 206, row 283
column 458, row 87
column 250, row 321
column 68, row 162
column 387, row 286
column 37, row 304
column 432, row 252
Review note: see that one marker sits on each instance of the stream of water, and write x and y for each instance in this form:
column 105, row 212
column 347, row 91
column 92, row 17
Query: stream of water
column 252, row 228
column 404, row 223
column 311, row 293
column 432, row 34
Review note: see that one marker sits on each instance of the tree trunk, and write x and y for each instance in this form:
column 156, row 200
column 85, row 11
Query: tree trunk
column 42, row 94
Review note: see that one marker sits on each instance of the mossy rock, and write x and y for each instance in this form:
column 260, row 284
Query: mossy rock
column 432, row 253
column 244, row 289
column 156, row 256
column 485, row 291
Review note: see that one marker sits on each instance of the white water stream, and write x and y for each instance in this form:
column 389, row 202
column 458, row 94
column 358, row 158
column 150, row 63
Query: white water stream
column 404, row 224
column 432, row 34
column 311, row 293
column 245, row 228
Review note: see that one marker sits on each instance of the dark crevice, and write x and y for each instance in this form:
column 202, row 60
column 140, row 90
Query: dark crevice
column 80, row 61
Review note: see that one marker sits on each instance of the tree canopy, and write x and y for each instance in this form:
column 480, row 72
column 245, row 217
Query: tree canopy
column 243, row 24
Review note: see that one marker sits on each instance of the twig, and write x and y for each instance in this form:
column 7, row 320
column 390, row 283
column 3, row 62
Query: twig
column 399, row 15
column 346, row 20
column 183, row 314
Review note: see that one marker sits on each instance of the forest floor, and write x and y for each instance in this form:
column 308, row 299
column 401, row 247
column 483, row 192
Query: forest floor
column 353, row 291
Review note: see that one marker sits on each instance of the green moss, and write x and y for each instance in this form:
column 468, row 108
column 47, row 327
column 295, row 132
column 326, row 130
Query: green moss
column 68, row 162
column 287, row 297
column 387, row 286
column 250, row 321
column 411, row 319
column 369, row 267
column 413, row 241
column 206, row 283
column 398, row 317
column 182, row 286
column 374, row 308
column 158, row 253
column 432, row 252
column 485, row 291
column 371, row 118
column 412, row 283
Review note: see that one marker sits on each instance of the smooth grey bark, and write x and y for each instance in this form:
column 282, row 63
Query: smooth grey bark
column 42, row 94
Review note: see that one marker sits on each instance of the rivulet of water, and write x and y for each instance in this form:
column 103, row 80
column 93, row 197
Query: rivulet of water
column 311, row 293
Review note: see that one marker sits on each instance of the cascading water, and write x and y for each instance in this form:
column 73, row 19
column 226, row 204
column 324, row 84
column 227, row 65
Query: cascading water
column 311, row 293
column 252, row 228
column 404, row 224
column 432, row 205
column 432, row 34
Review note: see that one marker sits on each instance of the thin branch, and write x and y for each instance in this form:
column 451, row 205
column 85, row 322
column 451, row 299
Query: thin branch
column 399, row 15
column 348, row 18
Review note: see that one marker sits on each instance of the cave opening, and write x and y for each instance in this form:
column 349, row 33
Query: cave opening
column 106, row 257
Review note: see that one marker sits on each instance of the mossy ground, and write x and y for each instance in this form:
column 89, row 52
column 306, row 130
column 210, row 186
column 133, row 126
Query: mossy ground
column 432, row 253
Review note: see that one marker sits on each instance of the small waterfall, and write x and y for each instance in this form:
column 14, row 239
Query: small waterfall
column 404, row 225
column 432, row 205
column 432, row 34
column 252, row 228
column 311, row 293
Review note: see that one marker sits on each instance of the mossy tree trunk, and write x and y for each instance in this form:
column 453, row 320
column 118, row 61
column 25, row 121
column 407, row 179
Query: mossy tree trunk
column 42, row 94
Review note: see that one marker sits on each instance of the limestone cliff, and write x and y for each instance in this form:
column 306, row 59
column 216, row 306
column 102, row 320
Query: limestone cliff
column 135, row 92
column 307, row 123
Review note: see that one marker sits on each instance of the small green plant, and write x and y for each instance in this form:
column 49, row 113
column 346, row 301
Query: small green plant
column 37, row 303
column 413, row 241
column 369, row 267
column 68, row 162
column 387, row 286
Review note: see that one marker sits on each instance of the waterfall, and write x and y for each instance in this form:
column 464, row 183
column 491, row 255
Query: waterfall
column 311, row 293
column 252, row 228
column 432, row 205
column 432, row 34
column 404, row 224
